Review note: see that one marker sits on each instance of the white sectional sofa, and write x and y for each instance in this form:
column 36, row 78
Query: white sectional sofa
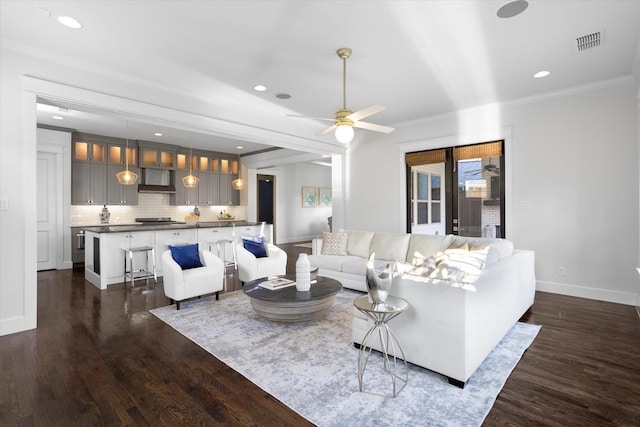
column 457, row 315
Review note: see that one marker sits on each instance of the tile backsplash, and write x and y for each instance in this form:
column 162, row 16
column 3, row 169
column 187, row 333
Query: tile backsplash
column 149, row 205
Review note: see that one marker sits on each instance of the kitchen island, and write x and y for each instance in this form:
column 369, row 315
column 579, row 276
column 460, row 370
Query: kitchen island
column 105, row 245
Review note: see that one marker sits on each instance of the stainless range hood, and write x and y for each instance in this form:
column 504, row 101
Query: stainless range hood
column 156, row 181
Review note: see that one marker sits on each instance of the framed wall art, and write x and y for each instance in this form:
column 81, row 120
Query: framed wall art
column 309, row 197
column 324, row 197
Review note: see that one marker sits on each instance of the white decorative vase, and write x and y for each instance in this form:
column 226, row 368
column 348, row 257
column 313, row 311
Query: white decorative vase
column 104, row 215
column 303, row 273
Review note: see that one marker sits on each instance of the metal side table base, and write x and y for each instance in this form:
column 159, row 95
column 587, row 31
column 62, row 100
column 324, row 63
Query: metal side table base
column 393, row 361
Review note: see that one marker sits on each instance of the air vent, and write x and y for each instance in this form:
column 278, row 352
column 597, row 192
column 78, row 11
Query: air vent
column 589, row 41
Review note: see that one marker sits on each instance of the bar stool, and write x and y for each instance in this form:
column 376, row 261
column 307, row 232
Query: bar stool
column 221, row 250
column 141, row 273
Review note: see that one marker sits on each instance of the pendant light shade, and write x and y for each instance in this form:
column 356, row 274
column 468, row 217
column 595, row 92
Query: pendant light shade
column 127, row 177
column 238, row 184
column 190, row 181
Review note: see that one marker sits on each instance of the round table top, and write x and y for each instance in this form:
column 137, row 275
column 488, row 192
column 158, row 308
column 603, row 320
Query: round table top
column 324, row 287
column 391, row 305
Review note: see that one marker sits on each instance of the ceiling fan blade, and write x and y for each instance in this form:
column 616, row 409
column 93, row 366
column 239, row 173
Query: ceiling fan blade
column 329, row 129
column 366, row 112
column 373, row 127
column 311, row 117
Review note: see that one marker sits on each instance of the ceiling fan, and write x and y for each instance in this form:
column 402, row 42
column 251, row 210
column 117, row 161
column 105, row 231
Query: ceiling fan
column 345, row 119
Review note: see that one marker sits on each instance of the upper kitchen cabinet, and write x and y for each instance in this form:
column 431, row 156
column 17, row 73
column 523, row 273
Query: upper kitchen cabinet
column 88, row 151
column 228, row 172
column 229, row 166
column 153, row 155
column 120, row 154
column 88, row 184
column 119, row 194
column 89, row 169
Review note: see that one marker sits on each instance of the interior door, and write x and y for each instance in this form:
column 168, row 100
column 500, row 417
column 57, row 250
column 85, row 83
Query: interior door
column 47, row 234
column 266, row 200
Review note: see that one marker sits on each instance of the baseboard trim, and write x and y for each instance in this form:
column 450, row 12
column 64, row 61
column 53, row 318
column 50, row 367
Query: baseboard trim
column 607, row 295
column 16, row 324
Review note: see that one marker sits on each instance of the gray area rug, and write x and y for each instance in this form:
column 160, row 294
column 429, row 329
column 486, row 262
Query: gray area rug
column 311, row 367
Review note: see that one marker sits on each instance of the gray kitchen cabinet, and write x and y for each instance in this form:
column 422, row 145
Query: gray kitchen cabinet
column 153, row 155
column 85, row 150
column 209, row 192
column 88, row 183
column 118, row 194
column 184, row 195
column 228, row 195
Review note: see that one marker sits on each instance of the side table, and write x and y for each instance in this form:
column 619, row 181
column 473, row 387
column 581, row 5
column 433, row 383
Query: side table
column 381, row 314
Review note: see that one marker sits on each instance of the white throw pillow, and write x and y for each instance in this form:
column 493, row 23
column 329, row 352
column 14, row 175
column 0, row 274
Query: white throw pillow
column 334, row 243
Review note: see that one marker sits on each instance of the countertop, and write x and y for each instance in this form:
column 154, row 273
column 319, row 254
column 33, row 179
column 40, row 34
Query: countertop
column 120, row 228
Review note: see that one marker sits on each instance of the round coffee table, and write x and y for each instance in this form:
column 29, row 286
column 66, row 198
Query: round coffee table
column 290, row 305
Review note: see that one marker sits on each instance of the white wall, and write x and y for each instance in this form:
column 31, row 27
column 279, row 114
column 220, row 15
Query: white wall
column 293, row 222
column 574, row 157
column 18, row 297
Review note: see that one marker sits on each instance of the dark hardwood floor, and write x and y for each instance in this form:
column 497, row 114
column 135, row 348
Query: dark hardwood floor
column 100, row 358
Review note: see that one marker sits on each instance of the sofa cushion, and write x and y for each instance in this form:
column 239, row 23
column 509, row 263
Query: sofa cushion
column 354, row 265
column 329, row 262
column 390, row 246
column 422, row 246
column 334, row 243
column 359, row 243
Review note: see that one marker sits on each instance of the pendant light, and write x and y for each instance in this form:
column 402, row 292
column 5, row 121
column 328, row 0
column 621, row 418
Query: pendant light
column 237, row 184
column 126, row 177
column 190, row 181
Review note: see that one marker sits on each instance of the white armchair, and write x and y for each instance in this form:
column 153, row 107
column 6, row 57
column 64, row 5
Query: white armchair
column 180, row 284
column 251, row 268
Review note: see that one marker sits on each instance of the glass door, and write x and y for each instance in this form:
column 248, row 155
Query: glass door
column 457, row 190
column 478, row 202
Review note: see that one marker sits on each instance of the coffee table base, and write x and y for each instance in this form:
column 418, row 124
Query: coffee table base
column 293, row 311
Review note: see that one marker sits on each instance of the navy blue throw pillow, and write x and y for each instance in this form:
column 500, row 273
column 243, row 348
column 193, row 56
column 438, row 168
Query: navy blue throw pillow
column 186, row 256
column 255, row 245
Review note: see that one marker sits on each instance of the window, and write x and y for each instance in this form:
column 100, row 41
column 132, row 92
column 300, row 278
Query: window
column 427, row 198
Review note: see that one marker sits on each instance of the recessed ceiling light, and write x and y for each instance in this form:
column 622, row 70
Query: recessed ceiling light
column 512, row 9
column 239, row 147
column 283, row 96
column 541, row 74
column 259, row 88
column 57, row 117
column 158, row 134
column 70, row 22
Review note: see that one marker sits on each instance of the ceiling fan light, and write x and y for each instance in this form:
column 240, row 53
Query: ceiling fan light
column 190, row 181
column 237, row 184
column 344, row 133
column 126, row 177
